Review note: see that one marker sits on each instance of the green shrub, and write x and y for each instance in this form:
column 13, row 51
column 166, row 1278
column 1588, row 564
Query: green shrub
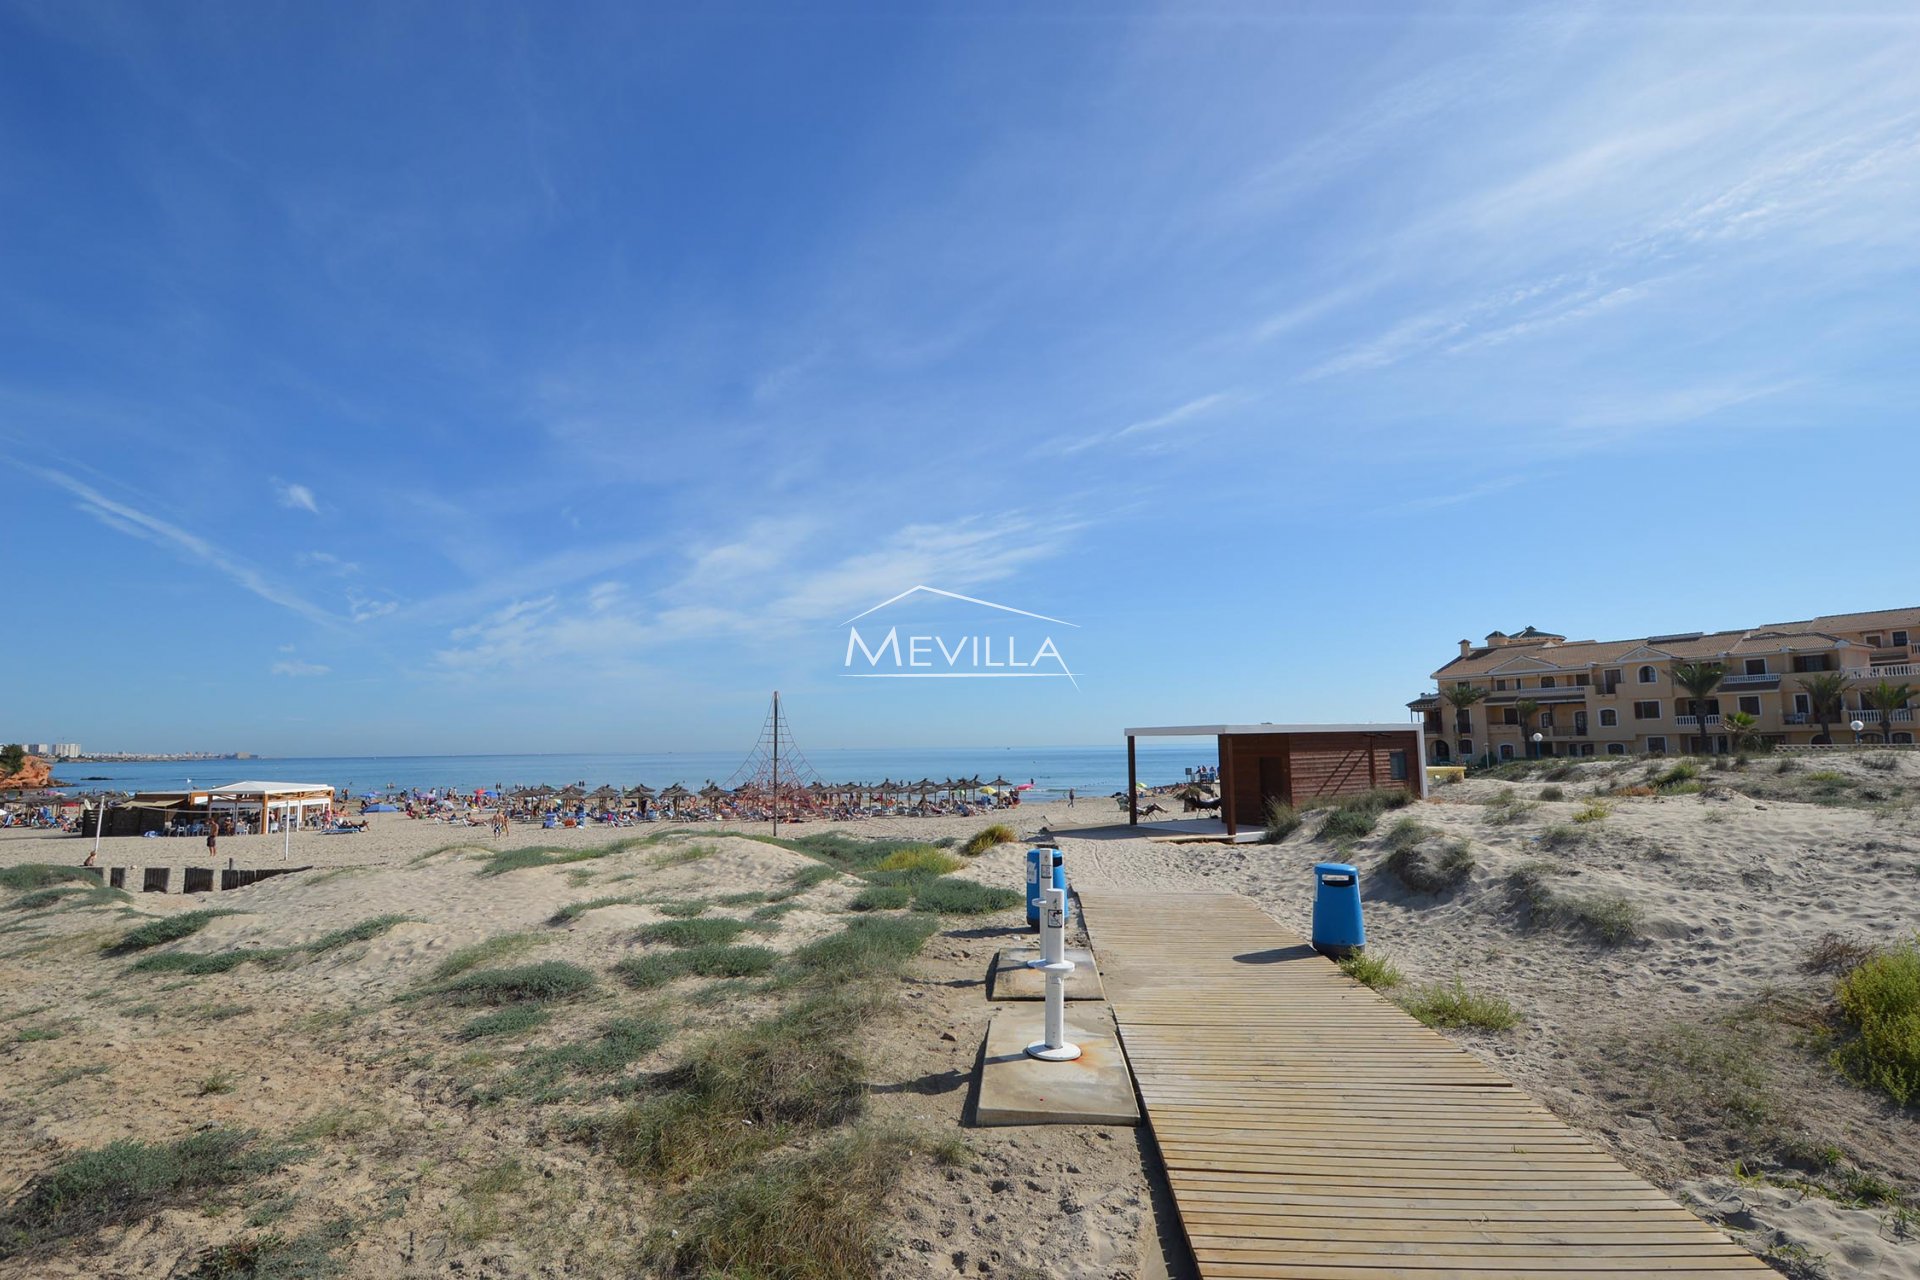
column 617, row 1045
column 125, row 1181
column 989, row 838
column 365, row 931
column 1348, row 824
column 925, row 862
column 683, row 909
column 1441, row 1005
column 867, row 947
column 691, row 933
column 40, row 899
column 1282, row 821
column 1407, row 833
column 498, row 947
column 574, row 910
column 1371, row 971
column 515, row 1019
column 1425, row 871
column 1553, row 793
column 655, row 969
column 527, row 984
column 41, row 875
column 721, row 961
column 1880, row 1000
column 166, row 929
column 270, row 1256
column 801, row 881
column 1611, row 918
column 1562, row 835
column 741, row 1092
column 807, row 1215
column 199, row 964
column 884, row 897
column 499, row 862
column 953, row 897
column 1593, row 811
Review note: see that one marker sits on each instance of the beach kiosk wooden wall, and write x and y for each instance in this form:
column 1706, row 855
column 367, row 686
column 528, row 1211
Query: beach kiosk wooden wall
column 1296, row 763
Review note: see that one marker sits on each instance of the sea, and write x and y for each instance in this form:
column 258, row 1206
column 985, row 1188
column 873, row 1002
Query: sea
column 1089, row 771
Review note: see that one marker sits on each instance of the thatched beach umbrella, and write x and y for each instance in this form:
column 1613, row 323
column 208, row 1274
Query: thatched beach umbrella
column 605, row 797
column 672, row 797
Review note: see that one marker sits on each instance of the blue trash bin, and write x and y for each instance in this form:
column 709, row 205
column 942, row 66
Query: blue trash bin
column 1038, row 860
column 1337, row 927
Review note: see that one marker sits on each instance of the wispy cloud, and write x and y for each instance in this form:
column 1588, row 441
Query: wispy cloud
column 296, row 497
column 1671, row 406
column 328, row 562
column 188, row 546
column 1135, row 432
column 299, row 669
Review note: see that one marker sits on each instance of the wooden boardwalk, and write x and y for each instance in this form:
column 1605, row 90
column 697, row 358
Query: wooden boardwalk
column 1314, row 1131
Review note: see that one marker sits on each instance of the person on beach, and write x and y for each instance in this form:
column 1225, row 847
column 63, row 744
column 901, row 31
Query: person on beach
column 213, row 833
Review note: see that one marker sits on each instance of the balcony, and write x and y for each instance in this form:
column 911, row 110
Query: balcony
column 1893, row 671
column 1871, row 718
column 1694, row 722
column 1764, row 677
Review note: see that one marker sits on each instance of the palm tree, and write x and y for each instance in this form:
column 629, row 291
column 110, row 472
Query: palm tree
column 1740, row 724
column 1523, row 711
column 1700, row 679
column 1887, row 699
column 1462, row 696
column 1827, row 694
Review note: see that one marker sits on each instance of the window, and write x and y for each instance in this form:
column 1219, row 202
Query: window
column 1750, row 705
column 1499, row 686
column 1546, row 718
column 1546, row 682
column 1903, row 738
column 1657, row 746
column 1616, row 748
column 1510, row 716
column 1899, row 639
column 1756, row 666
column 1646, row 675
column 1466, row 748
column 1873, row 642
column 1803, row 703
column 1506, row 751
column 1810, row 662
column 1397, row 766
column 1579, row 722
column 1646, row 711
column 1609, row 717
column 1581, row 680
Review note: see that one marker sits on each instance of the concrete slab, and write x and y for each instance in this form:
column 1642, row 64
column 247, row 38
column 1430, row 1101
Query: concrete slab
column 1011, row 979
column 1096, row 1088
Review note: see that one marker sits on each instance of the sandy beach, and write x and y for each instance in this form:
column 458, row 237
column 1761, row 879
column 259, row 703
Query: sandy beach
column 1683, row 1029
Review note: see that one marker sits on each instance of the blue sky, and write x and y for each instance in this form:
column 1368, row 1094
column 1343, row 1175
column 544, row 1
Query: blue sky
column 492, row 378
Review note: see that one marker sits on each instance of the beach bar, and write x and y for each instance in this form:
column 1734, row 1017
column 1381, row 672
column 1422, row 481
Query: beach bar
column 1295, row 763
column 264, row 799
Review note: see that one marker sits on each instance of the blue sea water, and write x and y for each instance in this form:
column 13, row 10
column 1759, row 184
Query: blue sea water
column 1087, row 770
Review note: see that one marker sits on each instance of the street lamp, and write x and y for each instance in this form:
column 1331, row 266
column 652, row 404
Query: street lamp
column 1538, row 738
column 1857, row 726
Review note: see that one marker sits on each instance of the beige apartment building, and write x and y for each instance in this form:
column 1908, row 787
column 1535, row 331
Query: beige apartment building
column 1618, row 697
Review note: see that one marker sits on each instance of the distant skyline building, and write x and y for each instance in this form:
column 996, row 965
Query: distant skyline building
column 1620, row 697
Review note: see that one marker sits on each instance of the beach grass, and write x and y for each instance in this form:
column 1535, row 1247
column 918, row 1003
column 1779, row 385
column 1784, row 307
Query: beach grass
column 499, row 947
column 365, row 931
column 271, row 1256
column 41, row 875
column 155, row 933
column 574, row 910
column 950, row 896
column 882, row 897
column 514, row 1020
column 872, row 946
column 691, row 933
column 1282, row 820
column 201, row 963
column 538, row 983
column 805, row 1215
column 125, row 1181
column 990, row 837
column 1452, row 1005
column 1426, row 870
column 1370, row 970
column 1880, row 1000
column 711, row 960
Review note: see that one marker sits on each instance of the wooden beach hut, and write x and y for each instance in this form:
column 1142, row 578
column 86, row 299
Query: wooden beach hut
column 1294, row 763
